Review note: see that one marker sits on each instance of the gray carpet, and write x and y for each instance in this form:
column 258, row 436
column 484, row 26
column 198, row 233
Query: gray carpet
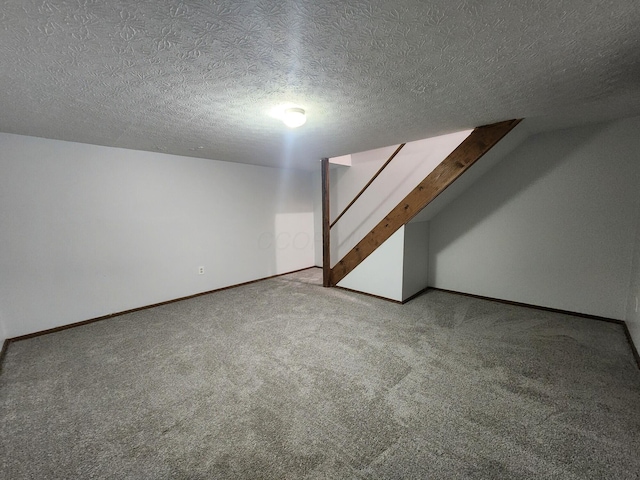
column 283, row 379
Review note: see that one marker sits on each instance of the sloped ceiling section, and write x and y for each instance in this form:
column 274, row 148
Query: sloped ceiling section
column 199, row 77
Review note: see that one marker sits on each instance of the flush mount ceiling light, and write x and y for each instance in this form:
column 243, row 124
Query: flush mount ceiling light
column 294, row 117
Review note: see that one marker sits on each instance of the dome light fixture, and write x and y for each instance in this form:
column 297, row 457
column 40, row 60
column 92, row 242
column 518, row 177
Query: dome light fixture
column 294, row 117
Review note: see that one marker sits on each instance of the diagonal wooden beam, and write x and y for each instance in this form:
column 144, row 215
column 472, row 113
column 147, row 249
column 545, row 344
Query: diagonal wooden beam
column 479, row 142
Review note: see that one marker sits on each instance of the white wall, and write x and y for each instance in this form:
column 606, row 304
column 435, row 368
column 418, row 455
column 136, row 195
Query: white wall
column 3, row 332
column 415, row 259
column 397, row 269
column 506, row 145
column 90, row 230
column 553, row 224
column 316, row 185
column 414, row 162
column 633, row 299
column 381, row 272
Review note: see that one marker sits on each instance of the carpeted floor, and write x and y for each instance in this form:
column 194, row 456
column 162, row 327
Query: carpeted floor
column 284, row 379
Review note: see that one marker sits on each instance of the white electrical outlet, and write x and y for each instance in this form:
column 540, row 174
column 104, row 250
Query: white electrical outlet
column 200, row 270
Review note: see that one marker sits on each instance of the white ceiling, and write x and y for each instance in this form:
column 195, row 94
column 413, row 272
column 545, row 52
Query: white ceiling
column 199, row 77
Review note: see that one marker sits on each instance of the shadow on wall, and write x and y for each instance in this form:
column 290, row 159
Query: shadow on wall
column 523, row 167
column 375, row 203
column 287, row 244
column 412, row 164
column 281, row 231
column 291, row 242
column 337, row 203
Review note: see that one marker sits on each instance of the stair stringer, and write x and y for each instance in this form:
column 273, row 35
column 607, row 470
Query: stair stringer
column 480, row 141
column 398, row 269
column 381, row 273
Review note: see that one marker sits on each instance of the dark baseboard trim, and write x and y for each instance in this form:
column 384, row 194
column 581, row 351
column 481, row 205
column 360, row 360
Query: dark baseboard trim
column 111, row 315
column 384, row 298
column 622, row 323
column 368, row 294
column 529, row 305
column 415, row 295
column 3, row 352
column 634, row 350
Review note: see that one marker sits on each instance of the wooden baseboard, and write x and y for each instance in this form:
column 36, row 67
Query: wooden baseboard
column 111, row 315
column 622, row 323
column 529, row 305
column 415, row 295
column 634, row 350
column 384, row 298
column 3, row 352
column 368, row 294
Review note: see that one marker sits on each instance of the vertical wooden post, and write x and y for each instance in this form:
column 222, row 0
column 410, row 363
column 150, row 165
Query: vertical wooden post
column 326, row 235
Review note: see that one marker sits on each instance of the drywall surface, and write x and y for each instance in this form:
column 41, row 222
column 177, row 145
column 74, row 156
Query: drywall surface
column 3, row 332
column 505, row 146
column 414, row 162
column 552, row 224
column 341, row 160
column 415, row 259
column 90, row 230
column 381, row 272
column 316, row 182
column 633, row 298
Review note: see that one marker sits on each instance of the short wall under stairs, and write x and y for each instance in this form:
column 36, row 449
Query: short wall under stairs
column 397, row 270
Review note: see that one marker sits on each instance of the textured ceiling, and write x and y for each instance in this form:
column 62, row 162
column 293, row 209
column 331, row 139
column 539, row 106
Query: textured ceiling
column 199, row 77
